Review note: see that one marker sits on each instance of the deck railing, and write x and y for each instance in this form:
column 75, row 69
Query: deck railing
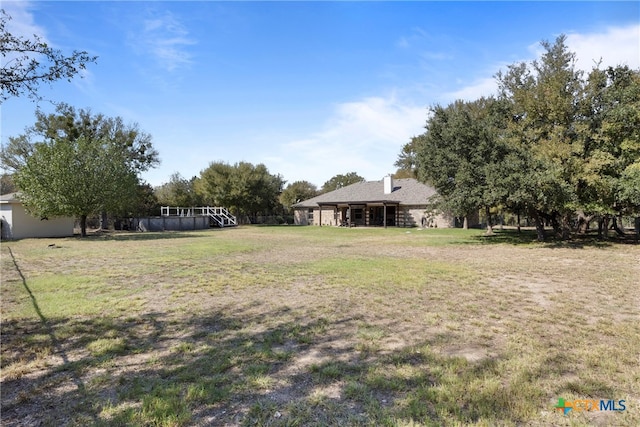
column 219, row 215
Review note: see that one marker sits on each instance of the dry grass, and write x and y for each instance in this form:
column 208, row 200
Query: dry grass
column 290, row 326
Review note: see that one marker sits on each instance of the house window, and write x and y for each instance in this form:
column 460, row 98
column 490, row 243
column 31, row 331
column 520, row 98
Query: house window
column 310, row 215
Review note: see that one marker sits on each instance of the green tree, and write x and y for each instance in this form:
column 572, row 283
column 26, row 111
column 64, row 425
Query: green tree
column 406, row 161
column 629, row 188
column 461, row 153
column 178, row 191
column 71, row 131
column 611, row 133
column 68, row 123
column 144, row 203
column 14, row 155
column 571, row 139
column 76, row 177
column 545, row 100
column 245, row 188
column 340, row 180
column 554, row 145
column 6, row 184
column 28, row 63
column 296, row 192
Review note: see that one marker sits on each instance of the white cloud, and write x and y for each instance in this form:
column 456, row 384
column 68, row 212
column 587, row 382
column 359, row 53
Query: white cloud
column 482, row 87
column 363, row 136
column 166, row 39
column 615, row 46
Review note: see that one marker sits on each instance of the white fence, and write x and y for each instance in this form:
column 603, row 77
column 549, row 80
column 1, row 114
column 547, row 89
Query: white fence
column 218, row 215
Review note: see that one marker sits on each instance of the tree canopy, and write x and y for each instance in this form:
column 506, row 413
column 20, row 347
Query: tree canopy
column 296, row 192
column 554, row 144
column 27, row 63
column 77, row 163
column 70, row 123
column 462, row 155
column 77, row 178
column 178, row 191
column 340, row 180
column 245, row 188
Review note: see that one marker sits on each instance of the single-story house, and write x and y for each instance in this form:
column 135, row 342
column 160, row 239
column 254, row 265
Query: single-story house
column 389, row 202
column 17, row 223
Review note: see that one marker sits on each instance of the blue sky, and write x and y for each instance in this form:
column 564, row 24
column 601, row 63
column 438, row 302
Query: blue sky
column 310, row 89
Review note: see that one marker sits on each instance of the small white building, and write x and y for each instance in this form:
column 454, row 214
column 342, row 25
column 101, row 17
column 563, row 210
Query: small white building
column 17, row 223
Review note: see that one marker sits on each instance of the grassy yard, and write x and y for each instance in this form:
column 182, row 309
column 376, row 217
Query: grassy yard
column 309, row 326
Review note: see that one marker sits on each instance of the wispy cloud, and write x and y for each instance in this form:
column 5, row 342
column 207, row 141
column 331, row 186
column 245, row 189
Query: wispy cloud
column 22, row 22
column 614, row 46
column 416, row 36
column 428, row 47
column 166, row 39
column 485, row 86
column 364, row 136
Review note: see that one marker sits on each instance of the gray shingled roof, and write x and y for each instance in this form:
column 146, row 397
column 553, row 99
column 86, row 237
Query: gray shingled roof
column 407, row 191
column 10, row 197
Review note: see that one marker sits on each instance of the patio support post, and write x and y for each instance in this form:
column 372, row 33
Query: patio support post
column 384, row 215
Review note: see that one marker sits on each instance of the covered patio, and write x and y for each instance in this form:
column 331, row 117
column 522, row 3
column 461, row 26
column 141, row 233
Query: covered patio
column 374, row 214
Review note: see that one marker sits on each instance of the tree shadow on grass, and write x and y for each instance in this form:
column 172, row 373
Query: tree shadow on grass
column 236, row 367
column 253, row 364
column 148, row 235
column 529, row 237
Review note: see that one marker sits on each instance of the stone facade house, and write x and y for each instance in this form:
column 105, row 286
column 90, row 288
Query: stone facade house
column 385, row 203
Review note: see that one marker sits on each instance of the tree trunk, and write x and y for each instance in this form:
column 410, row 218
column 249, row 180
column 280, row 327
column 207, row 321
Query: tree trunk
column 487, row 212
column 555, row 223
column 637, row 227
column 539, row 223
column 600, row 223
column 617, row 228
column 104, row 221
column 583, row 222
column 518, row 222
column 83, row 225
column 603, row 227
column 465, row 223
column 566, row 227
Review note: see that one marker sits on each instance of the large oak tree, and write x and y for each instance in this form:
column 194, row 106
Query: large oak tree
column 561, row 147
column 74, row 162
column 296, row 192
column 77, row 177
column 245, row 188
column 341, row 180
column 461, row 155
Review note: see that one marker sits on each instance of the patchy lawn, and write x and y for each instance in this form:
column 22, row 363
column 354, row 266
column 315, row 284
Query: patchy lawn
column 309, row 326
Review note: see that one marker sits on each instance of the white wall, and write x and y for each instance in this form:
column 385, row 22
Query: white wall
column 22, row 225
